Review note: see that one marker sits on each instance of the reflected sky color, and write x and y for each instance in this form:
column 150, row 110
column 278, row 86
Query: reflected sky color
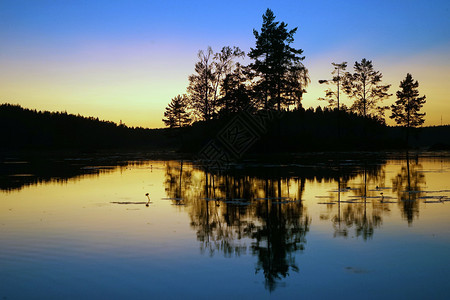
column 93, row 237
column 125, row 60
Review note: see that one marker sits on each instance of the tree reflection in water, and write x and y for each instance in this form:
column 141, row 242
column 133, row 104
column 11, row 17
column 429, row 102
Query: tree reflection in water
column 408, row 185
column 358, row 207
column 280, row 234
column 259, row 210
column 236, row 214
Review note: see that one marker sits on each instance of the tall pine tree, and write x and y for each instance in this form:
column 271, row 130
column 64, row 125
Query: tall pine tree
column 406, row 109
column 275, row 61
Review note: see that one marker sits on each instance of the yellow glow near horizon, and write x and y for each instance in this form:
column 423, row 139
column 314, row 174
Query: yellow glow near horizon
column 430, row 69
column 136, row 89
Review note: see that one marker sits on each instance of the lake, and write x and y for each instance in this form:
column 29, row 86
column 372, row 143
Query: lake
column 371, row 226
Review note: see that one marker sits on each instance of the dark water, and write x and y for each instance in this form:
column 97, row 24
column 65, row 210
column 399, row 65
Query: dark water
column 315, row 228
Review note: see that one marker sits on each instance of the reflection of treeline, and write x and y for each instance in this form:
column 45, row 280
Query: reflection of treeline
column 24, row 128
column 18, row 175
column 360, row 215
column 18, row 172
column 311, row 167
column 258, row 209
column 239, row 209
column 240, row 214
column 408, row 184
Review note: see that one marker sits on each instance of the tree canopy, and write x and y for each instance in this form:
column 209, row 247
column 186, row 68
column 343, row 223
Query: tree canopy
column 176, row 114
column 278, row 72
column 333, row 96
column 364, row 86
column 276, row 78
column 406, row 109
column 206, row 84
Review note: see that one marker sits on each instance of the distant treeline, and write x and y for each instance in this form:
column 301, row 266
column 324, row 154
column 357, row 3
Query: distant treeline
column 26, row 129
column 294, row 131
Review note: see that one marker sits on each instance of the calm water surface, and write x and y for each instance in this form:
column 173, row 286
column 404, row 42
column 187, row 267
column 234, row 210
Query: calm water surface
column 327, row 229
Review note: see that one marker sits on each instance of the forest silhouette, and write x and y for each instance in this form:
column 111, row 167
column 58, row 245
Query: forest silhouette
column 297, row 131
column 222, row 90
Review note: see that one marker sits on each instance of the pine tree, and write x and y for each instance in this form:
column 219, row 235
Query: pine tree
column 275, row 61
column 364, row 85
column 333, row 96
column 406, row 109
column 176, row 114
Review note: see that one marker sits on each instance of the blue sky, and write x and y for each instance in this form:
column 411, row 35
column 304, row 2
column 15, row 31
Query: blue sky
column 125, row 60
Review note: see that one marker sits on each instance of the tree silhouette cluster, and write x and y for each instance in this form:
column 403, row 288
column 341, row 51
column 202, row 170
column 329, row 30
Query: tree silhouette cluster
column 220, row 86
column 364, row 86
column 277, row 79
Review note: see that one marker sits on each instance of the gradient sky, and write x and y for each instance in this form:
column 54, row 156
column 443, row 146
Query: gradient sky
column 125, row 60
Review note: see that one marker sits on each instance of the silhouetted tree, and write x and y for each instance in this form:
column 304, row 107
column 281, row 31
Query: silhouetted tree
column 406, row 109
column 200, row 85
column 223, row 66
column 235, row 95
column 296, row 83
column 332, row 96
column 275, row 62
column 364, row 85
column 210, row 71
column 176, row 114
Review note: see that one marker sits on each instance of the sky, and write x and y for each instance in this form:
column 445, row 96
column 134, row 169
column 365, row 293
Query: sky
column 123, row 61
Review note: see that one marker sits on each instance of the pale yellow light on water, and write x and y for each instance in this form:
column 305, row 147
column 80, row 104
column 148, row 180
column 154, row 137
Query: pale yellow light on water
column 106, row 204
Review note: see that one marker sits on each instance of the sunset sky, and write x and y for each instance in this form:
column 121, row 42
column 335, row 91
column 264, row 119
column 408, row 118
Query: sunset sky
column 125, row 60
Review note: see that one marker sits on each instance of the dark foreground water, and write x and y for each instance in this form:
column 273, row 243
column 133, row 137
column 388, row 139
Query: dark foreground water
column 353, row 229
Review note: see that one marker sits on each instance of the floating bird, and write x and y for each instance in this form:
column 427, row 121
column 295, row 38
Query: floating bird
column 148, row 200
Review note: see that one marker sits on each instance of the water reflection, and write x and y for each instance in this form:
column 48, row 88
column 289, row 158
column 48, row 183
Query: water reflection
column 236, row 214
column 18, row 173
column 258, row 209
column 283, row 219
column 408, row 184
column 280, row 232
column 354, row 212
